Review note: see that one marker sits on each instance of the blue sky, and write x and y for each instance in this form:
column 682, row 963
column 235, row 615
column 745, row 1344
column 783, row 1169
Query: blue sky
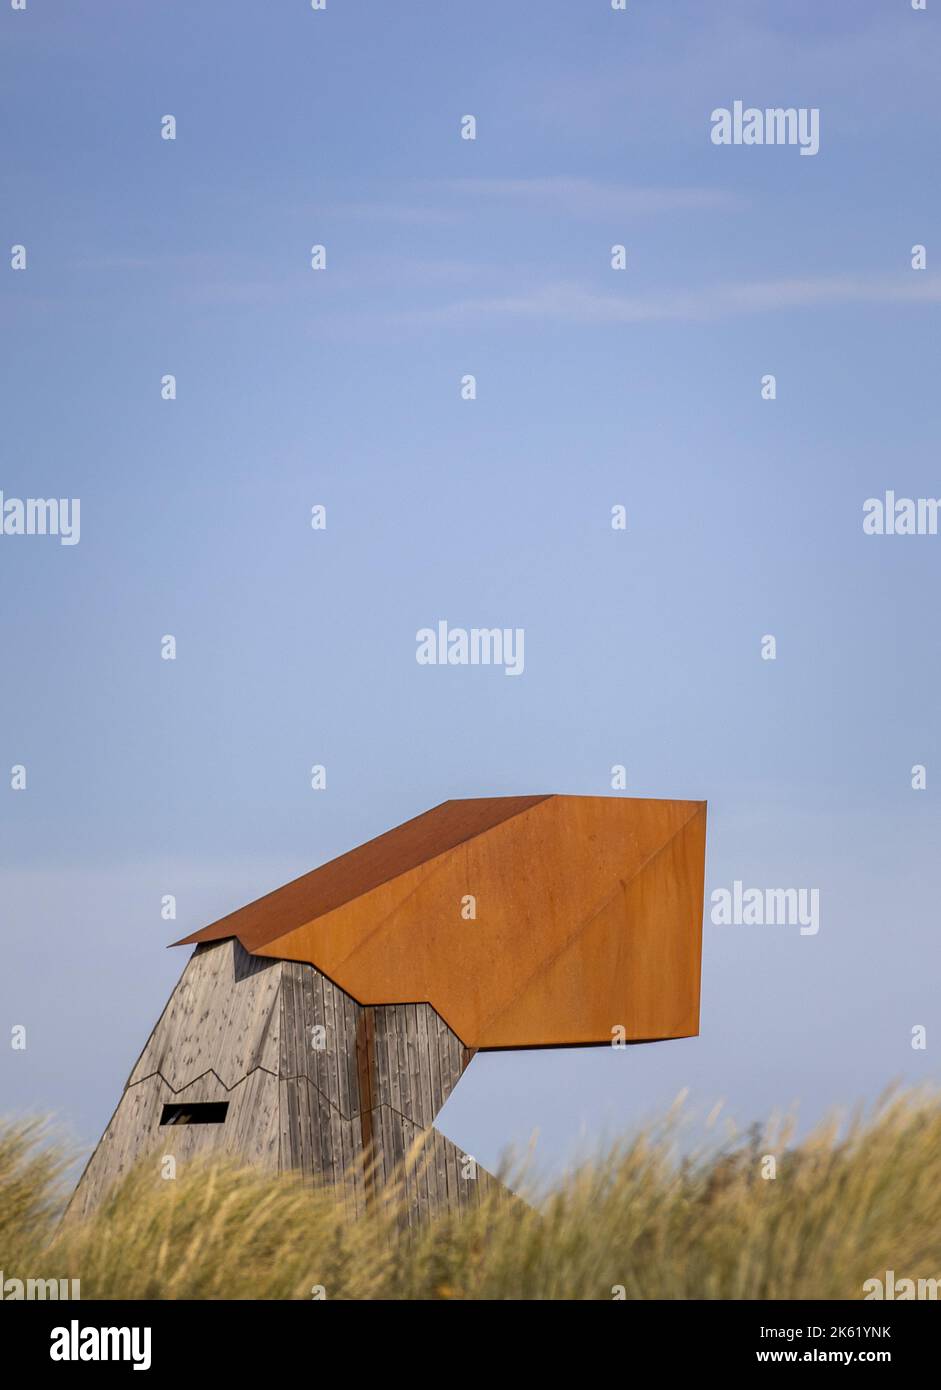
column 594, row 387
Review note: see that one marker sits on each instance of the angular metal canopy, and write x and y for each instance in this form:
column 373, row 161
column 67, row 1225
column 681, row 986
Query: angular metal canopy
column 587, row 919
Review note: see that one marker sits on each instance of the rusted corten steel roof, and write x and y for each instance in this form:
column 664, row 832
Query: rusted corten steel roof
column 588, row 919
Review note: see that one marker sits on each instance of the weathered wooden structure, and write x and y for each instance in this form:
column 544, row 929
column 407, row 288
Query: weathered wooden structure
column 268, row 1061
column 321, row 1029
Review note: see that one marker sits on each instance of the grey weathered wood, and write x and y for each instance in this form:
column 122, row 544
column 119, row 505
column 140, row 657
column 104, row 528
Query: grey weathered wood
column 221, row 1017
column 241, row 1029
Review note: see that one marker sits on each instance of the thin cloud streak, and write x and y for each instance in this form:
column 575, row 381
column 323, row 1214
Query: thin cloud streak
column 446, row 201
column 592, row 197
column 574, row 303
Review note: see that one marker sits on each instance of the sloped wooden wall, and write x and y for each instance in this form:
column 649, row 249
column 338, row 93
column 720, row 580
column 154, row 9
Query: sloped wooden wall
column 315, row 1082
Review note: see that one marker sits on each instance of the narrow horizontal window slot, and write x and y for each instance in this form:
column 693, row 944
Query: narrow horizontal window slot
column 207, row 1112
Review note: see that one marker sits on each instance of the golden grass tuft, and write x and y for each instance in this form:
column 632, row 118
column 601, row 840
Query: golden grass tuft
column 848, row 1203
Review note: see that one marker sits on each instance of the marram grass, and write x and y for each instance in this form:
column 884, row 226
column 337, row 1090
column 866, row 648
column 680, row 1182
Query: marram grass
column 847, row 1204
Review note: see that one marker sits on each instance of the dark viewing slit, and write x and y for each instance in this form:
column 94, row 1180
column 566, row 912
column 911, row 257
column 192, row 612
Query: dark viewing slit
column 209, row 1112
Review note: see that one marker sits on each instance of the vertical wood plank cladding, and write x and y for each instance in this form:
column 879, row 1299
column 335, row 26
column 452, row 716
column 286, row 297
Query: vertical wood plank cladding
column 440, row 1043
column 422, row 1114
column 288, row 1159
column 301, row 1031
column 250, row 1132
column 292, row 1141
column 367, row 1079
column 332, row 1071
column 450, row 1075
column 286, row 1060
column 379, row 1087
column 350, row 1023
column 307, row 1019
column 406, row 1061
column 340, row 1051
column 423, row 1104
column 241, row 1029
column 221, row 1017
column 332, row 1152
column 389, row 1088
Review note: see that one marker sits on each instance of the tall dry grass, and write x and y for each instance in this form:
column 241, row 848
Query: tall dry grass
column 847, row 1204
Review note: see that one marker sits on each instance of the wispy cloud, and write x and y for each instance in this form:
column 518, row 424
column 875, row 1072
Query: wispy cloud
column 446, row 201
column 419, row 213
column 578, row 197
column 574, row 303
